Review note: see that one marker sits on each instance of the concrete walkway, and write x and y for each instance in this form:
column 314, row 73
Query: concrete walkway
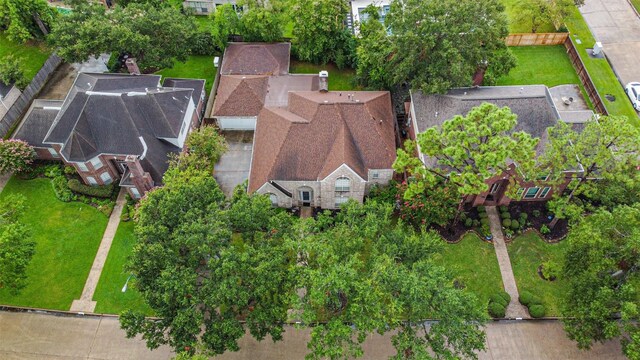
column 85, row 303
column 515, row 309
column 41, row 336
column 4, row 179
column 617, row 26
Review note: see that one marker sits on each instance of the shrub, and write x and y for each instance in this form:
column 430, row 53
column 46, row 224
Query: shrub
column 506, row 223
column 69, row 170
column 132, row 212
column 505, row 295
column 544, row 230
column 504, row 209
column 536, row 213
column 476, row 222
column 61, row 189
column 497, row 310
column 525, row 298
column 106, row 209
column 486, row 231
column 484, row 221
column 481, row 209
column 53, row 170
column 497, row 298
column 97, row 191
column 463, row 216
column 207, row 145
column 523, row 217
column 550, row 270
column 468, row 222
column 125, row 214
column 537, row 311
column 515, row 225
column 483, row 215
column 505, row 215
column 202, row 43
column 15, row 155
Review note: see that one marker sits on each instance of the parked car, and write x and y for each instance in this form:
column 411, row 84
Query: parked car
column 633, row 91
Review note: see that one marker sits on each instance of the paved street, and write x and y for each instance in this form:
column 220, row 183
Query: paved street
column 616, row 25
column 41, row 336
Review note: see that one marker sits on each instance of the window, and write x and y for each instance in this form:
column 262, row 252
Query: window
column 543, row 177
column 375, row 175
column 342, row 184
column 544, row 192
column 82, row 167
column 135, row 192
column 341, row 200
column 53, row 152
column 495, row 187
column 92, row 180
column 106, row 178
column 519, row 193
column 531, row 192
column 274, row 199
column 96, row 163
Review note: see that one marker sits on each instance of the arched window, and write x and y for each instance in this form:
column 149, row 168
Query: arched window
column 274, row 199
column 343, row 184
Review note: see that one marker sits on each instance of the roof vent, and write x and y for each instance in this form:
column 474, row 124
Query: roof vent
column 324, row 81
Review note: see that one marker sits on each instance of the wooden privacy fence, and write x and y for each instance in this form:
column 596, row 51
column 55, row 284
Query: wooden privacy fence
column 536, row 39
column 21, row 105
column 585, row 79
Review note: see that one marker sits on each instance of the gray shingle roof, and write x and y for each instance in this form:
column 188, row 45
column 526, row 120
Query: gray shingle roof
column 37, row 122
column 196, row 84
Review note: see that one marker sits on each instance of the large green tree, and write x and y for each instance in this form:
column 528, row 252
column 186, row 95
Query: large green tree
column 602, row 265
column 206, row 285
column 156, row 37
column 359, row 274
column 374, row 49
column 320, row 33
column 22, row 20
column 605, row 149
column 16, row 247
column 540, row 12
column 11, row 72
column 468, row 150
column 441, row 44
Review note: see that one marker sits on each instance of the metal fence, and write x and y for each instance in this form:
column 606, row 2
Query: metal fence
column 15, row 112
column 585, row 79
column 536, row 39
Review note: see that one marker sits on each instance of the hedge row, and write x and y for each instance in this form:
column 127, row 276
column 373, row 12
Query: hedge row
column 533, row 304
column 498, row 303
column 97, row 191
column 61, row 189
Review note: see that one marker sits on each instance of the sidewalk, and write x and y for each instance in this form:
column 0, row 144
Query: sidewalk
column 515, row 309
column 85, row 303
column 4, row 179
column 41, row 336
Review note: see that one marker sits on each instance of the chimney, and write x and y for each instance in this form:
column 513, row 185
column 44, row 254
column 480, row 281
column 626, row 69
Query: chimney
column 324, row 81
column 132, row 66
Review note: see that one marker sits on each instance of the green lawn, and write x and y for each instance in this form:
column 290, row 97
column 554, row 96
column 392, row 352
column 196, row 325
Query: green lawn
column 196, row 67
column 599, row 70
column 519, row 26
column 203, row 22
column 636, row 4
column 527, row 252
column 67, row 237
column 548, row 65
column 474, row 262
column 32, row 55
column 338, row 79
column 109, row 295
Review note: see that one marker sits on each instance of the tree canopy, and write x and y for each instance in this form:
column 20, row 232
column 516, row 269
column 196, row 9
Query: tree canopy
column 374, row 48
column 261, row 21
column 467, row 151
column 359, row 274
column 602, row 265
column 23, row 20
column 16, row 247
column 156, row 37
column 12, row 72
column 320, row 34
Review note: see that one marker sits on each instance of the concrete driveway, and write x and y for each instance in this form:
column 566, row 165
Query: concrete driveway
column 233, row 167
column 616, row 25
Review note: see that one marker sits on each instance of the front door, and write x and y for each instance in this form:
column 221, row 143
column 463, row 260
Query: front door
column 305, row 196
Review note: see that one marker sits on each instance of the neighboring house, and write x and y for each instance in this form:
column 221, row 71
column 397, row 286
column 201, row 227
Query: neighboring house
column 8, row 95
column 536, row 112
column 115, row 126
column 205, row 7
column 358, row 15
column 312, row 147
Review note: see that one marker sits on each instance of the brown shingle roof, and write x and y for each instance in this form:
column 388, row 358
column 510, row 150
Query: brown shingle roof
column 256, row 59
column 240, row 95
column 318, row 132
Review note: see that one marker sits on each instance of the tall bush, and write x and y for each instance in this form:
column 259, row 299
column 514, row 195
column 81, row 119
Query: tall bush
column 15, row 155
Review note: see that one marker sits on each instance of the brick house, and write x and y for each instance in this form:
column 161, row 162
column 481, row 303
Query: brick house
column 116, row 127
column 312, row 147
column 536, row 112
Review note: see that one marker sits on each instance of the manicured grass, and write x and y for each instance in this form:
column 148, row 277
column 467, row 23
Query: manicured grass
column 473, row 262
column 527, row 253
column 67, row 237
column 599, row 69
column 203, row 22
column 636, row 4
column 32, row 55
column 519, row 26
column 109, row 295
column 196, row 67
column 547, row 65
column 338, row 79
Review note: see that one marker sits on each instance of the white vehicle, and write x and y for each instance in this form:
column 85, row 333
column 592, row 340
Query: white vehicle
column 633, row 91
